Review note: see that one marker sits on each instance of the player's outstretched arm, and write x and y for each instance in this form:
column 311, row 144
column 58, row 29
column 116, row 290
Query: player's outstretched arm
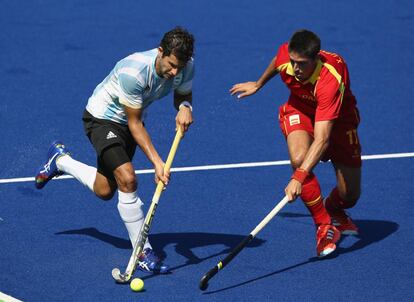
column 143, row 140
column 248, row 88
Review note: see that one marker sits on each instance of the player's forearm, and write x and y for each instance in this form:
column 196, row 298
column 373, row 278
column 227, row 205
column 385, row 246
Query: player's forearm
column 269, row 73
column 314, row 154
column 143, row 140
column 322, row 133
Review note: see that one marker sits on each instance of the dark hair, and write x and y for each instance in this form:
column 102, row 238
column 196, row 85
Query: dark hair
column 306, row 43
column 178, row 42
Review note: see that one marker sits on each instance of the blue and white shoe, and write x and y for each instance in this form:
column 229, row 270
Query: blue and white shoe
column 148, row 262
column 49, row 169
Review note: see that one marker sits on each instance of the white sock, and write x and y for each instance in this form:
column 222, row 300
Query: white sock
column 83, row 173
column 130, row 209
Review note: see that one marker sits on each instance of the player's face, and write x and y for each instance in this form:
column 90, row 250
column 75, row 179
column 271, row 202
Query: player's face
column 168, row 66
column 302, row 66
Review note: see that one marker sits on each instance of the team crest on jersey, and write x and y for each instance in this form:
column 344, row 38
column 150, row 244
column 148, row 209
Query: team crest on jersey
column 294, row 119
column 177, row 80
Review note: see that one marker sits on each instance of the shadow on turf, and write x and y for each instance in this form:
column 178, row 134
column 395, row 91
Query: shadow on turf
column 371, row 231
column 183, row 242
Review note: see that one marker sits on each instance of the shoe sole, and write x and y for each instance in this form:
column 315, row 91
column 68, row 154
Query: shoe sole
column 327, row 251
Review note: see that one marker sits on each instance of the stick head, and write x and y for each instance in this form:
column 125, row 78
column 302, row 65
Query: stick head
column 203, row 283
column 119, row 277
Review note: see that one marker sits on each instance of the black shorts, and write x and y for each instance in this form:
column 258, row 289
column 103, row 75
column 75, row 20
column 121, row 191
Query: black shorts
column 107, row 137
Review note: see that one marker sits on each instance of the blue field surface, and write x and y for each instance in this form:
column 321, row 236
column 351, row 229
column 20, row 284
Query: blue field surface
column 61, row 243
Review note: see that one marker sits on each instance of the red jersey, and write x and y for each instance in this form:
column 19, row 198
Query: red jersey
column 326, row 95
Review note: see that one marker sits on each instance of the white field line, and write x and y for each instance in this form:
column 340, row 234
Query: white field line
column 220, row 167
column 7, row 298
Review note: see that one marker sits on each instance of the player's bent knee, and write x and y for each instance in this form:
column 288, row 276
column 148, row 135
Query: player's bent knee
column 296, row 161
column 105, row 194
column 351, row 199
column 127, row 183
column 104, row 188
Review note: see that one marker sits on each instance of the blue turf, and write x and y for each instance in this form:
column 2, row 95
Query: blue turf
column 60, row 244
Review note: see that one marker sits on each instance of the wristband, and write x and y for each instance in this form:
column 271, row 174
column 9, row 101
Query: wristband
column 300, row 175
column 186, row 104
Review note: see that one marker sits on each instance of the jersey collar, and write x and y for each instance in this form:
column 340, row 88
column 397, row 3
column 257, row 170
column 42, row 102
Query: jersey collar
column 315, row 75
column 313, row 78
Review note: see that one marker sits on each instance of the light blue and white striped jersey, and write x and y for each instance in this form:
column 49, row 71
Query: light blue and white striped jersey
column 134, row 83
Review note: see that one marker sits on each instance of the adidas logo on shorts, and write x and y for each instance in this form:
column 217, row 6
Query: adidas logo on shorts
column 110, row 135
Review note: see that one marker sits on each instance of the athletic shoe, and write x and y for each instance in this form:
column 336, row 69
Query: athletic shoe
column 326, row 237
column 49, row 169
column 148, row 262
column 342, row 221
column 345, row 225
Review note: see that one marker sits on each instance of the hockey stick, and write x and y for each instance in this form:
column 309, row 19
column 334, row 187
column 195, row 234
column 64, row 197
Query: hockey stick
column 211, row 273
column 143, row 234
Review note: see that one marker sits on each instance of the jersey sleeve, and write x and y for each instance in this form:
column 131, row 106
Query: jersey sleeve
column 329, row 94
column 282, row 57
column 188, row 75
column 131, row 90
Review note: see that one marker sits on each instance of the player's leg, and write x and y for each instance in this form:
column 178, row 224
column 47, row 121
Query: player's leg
column 116, row 163
column 104, row 187
column 344, row 196
column 298, row 144
column 345, row 154
column 130, row 210
column 85, row 174
column 349, row 184
column 129, row 203
column 59, row 161
column 298, row 130
column 115, row 167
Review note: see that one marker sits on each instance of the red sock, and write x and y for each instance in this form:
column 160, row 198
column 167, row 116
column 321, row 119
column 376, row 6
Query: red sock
column 335, row 204
column 311, row 196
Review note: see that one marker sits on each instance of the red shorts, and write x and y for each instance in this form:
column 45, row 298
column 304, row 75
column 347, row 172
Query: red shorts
column 344, row 146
